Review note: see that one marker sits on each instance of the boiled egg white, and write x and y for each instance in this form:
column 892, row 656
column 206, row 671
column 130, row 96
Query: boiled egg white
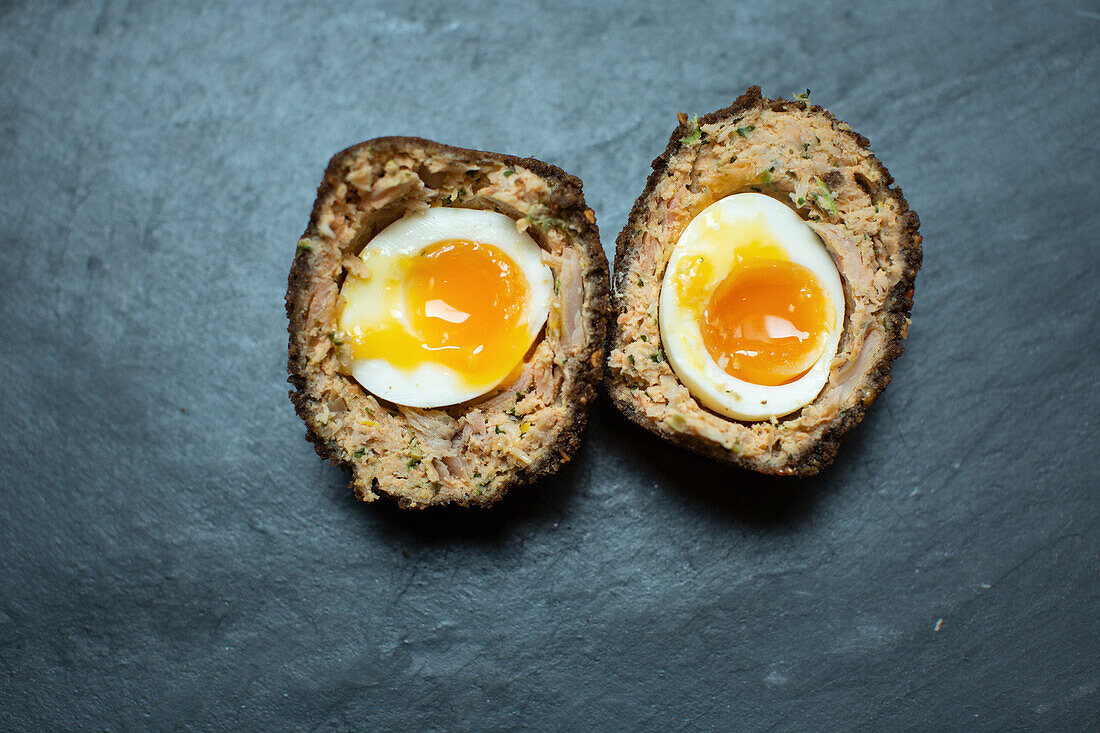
column 751, row 308
column 449, row 304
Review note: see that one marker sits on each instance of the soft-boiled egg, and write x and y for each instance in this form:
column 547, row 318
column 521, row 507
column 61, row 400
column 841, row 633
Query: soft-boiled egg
column 448, row 305
column 751, row 308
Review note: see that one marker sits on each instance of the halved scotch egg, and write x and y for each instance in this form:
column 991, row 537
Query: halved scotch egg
column 763, row 285
column 447, row 318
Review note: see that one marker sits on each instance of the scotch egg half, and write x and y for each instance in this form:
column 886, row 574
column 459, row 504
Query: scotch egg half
column 448, row 303
column 751, row 309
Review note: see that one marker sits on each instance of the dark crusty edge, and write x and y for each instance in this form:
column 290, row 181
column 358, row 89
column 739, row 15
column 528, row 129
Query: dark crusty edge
column 899, row 302
column 567, row 202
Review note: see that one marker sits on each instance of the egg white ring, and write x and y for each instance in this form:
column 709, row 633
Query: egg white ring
column 434, row 385
column 683, row 340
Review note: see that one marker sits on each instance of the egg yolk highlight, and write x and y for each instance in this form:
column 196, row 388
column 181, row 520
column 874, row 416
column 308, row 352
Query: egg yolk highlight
column 465, row 308
column 767, row 322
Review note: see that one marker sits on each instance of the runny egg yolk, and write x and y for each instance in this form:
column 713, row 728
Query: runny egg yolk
column 465, row 307
column 768, row 321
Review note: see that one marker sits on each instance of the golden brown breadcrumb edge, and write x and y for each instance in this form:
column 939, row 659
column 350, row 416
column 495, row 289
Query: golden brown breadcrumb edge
column 566, row 201
column 818, row 454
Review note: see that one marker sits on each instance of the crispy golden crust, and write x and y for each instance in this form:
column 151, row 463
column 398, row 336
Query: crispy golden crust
column 812, row 455
column 564, row 202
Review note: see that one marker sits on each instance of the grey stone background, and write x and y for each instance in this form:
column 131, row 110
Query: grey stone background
column 173, row 554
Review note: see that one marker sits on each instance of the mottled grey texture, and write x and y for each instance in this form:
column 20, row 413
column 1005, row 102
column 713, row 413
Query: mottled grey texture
column 173, row 553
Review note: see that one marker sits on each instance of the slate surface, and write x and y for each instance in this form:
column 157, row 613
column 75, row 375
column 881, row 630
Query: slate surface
column 173, row 554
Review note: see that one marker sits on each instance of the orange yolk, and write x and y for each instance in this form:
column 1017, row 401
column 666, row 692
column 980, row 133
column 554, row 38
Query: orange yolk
column 767, row 322
column 465, row 305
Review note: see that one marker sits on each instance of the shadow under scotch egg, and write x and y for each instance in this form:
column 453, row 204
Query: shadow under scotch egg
column 736, row 494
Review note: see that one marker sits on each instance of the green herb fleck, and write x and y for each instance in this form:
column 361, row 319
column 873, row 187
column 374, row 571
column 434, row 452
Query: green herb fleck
column 824, row 199
column 545, row 222
column 644, row 337
column 805, row 95
column 498, row 430
column 766, row 178
column 733, row 158
column 630, row 358
column 413, row 462
column 519, row 396
column 359, row 452
column 304, row 245
column 744, row 131
column 641, row 282
column 477, row 474
column 336, row 340
column 435, row 488
column 369, row 412
column 696, row 133
column 557, row 286
column 657, row 356
column 676, row 421
column 800, row 201
column 509, row 172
